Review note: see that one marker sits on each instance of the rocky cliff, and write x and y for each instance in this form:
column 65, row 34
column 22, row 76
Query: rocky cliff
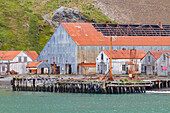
column 136, row 11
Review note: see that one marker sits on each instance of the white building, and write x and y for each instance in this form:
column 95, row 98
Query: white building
column 15, row 61
column 150, row 65
column 37, row 67
column 163, row 64
column 121, row 61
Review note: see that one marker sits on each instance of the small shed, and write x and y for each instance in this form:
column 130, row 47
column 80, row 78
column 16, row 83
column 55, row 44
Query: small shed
column 37, row 67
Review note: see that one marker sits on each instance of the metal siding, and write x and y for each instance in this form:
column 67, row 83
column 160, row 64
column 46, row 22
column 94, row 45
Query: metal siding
column 62, row 48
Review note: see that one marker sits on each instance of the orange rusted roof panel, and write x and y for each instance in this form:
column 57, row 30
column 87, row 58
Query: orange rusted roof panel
column 124, row 54
column 157, row 54
column 87, row 64
column 8, row 55
column 32, row 54
column 86, row 34
column 34, row 64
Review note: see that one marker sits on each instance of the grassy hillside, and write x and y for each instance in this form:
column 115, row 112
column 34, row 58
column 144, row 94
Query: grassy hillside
column 22, row 25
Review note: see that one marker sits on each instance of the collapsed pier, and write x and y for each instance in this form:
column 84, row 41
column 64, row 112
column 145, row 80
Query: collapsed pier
column 79, row 86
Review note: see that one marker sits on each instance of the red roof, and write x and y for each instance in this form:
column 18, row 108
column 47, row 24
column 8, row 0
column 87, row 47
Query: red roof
column 32, row 54
column 34, row 64
column 8, row 55
column 86, row 34
column 87, row 64
column 124, row 54
column 157, row 54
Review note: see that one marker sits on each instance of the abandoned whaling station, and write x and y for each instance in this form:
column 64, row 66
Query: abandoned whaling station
column 90, row 49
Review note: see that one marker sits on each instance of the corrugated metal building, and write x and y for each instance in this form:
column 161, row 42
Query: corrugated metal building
column 76, row 43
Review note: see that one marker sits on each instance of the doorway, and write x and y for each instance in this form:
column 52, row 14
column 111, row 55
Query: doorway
column 68, row 69
column 42, row 70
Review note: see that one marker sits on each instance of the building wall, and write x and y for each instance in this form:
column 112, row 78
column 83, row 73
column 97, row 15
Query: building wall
column 148, row 67
column 163, row 62
column 62, row 49
column 103, row 66
column 17, row 67
column 87, row 70
column 89, row 53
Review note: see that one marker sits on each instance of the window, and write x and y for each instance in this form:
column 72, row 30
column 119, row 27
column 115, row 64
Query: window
column 25, row 59
column 153, row 68
column 123, row 67
column 3, row 68
column 98, row 67
column 101, row 56
column 164, row 57
column 105, row 67
column 149, row 58
column 19, row 59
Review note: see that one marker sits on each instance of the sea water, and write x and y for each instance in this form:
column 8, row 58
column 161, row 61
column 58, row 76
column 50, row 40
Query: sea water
column 45, row 102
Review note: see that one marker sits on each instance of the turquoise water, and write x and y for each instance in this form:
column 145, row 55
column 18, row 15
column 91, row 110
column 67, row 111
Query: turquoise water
column 42, row 102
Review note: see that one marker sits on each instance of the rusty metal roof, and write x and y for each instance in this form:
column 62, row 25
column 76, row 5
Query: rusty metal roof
column 168, row 56
column 32, row 54
column 86, row 34
column 87, row 64
column 34, row 64
column 157, row 54
column 109, row 29
column 10, row 55
column 124, row 54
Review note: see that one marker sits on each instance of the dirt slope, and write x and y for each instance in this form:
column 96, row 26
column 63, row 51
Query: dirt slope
column 136, row 11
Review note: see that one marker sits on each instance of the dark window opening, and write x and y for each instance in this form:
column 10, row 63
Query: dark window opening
column 149, row 58
column 123, row 67
column 164, row 57
column 101, row 56
column 3, row 68
column 19, row 59
column 25, row 59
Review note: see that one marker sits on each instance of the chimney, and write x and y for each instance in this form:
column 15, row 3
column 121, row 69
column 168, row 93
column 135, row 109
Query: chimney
column 160, row 25
column 12, row 49
column 28, row 49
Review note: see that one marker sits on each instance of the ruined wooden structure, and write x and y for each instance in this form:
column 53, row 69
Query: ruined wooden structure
column 80, row 86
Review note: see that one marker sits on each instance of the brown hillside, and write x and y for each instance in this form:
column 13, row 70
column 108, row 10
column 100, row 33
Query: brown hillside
column 136, row 11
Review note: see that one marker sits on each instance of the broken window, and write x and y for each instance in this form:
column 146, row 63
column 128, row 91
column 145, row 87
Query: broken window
column 25, row 59
column 149, row 58
column 101, row 56
column 164, row 57
column 3, row 68
column 19, row 59
column 123, row 67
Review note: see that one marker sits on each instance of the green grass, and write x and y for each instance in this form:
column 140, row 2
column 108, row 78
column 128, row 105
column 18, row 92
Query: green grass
column 22, row 25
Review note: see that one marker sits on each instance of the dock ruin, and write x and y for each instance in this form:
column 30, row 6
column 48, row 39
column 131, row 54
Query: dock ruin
column 85, row 86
